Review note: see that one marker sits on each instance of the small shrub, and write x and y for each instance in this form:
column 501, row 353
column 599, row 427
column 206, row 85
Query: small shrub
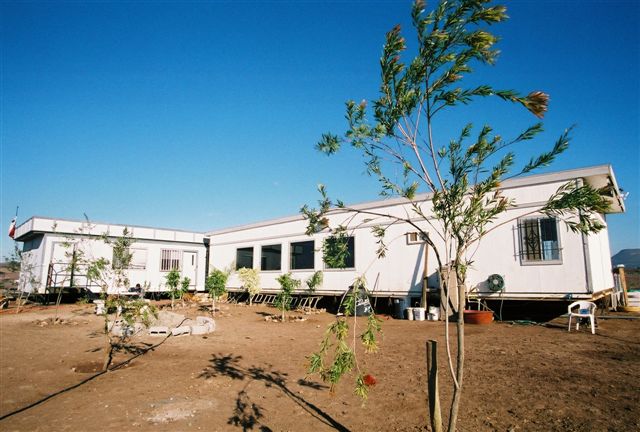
column 173, row 283
column 216, row 285
column 314, row 281
column 250, row 279
column 287, row 285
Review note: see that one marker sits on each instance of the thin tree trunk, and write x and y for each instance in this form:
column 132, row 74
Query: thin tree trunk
column 457, row 391
column 108, row 355
column 435, row 414
column 109, row 345
column 20, row 301
column 213, row 305
column 58, row 301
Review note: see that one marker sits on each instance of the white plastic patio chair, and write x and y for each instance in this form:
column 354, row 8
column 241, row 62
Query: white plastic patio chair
column 585, row 310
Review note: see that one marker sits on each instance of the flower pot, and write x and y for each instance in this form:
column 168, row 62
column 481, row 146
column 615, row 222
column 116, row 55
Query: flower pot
column 478, row 317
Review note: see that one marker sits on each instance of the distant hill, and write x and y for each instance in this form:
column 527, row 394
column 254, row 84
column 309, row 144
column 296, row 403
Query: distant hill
column 630, row 258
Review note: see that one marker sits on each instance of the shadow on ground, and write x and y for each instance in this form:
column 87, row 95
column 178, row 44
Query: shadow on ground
column 249, row 415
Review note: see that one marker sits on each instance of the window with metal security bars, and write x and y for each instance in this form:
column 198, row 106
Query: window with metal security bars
column 170, row 259
column 539, row 241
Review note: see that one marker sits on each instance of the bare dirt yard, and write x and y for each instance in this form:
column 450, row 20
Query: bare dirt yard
column 250, row 375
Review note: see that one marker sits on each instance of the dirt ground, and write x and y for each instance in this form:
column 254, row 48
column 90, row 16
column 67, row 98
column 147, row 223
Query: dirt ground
column 249, row 375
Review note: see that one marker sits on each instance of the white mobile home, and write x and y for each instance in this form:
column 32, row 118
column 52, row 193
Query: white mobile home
column 48, row 245
column 537, row 256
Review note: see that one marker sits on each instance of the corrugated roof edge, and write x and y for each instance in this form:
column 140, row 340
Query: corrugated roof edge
column 605, row 169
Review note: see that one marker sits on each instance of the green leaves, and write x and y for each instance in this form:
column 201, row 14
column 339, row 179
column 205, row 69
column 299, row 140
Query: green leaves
column 131, row 311
column 343, row 358
column 578, row 205
column 329, row 144
column 314, row 281
column 250, row 279
column 379, row 233
column 368, row 337
column 546, row 158
column 317, row 220
column 490, row 15
column 335, row 249
column 288, row 285
column 216, row 283
column 530, row 133
column 184, row 284
column 172, row 279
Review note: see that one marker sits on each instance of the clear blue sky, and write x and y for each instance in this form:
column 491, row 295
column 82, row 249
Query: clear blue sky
column 204, row 115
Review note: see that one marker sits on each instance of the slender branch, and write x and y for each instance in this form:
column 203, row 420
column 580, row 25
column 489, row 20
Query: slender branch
column 431, row 145
column 473, row 240
column 412, row 143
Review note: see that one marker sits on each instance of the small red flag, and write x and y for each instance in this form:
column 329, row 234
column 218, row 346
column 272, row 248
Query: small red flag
column 12, row 228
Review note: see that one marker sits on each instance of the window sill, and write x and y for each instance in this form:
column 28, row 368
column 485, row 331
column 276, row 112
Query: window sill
column 540, row 263
column 346, row 269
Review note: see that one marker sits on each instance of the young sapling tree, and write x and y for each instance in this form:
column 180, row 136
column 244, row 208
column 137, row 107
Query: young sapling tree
column 114, row 276
column 314, row 281
column 216, row 285
column 27, row 282
column 250, row 279
column 184, row 288
column 288, row 285
column 172, row 280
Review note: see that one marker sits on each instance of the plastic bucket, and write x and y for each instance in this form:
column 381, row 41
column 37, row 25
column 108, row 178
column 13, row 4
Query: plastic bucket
column 418, row 314
column 434, row 313
column 409, row 313
column 398, row 308
column 99, row 306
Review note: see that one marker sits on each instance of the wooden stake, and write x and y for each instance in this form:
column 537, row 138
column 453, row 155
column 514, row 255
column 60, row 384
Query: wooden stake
column 623, row 282
column 435, row 415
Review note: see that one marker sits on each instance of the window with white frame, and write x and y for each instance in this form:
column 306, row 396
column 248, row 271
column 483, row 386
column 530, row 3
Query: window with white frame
column 270, row 257
column 244, row 258
column 539, row 240
column 350, row 253
column 139, row 259
column 414, row 238
column 302, row 255
column 170, row 259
